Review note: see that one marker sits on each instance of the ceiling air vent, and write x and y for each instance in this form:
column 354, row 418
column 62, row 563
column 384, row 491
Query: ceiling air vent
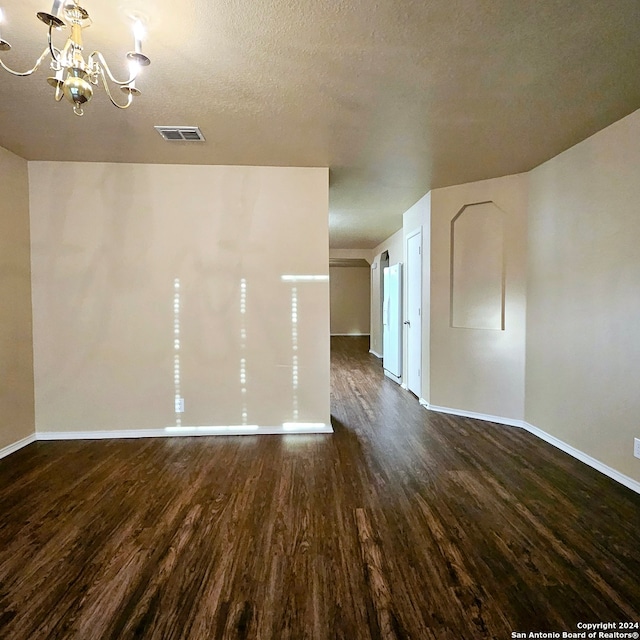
column 181, row 134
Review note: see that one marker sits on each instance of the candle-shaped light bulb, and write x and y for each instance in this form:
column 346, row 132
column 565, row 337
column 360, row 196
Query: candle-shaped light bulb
column 138, row 34
column 55, row 9
column 4, row 46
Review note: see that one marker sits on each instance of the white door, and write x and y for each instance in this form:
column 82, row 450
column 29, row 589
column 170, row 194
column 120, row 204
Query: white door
column 413, row 321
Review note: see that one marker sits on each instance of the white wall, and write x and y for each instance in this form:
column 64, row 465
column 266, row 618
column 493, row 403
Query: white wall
column 583, row 306
column 108, row 243
column 16, row 352
column 476, row 369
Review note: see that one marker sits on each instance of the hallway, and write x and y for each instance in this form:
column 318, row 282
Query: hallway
column 480, row 529
column 403, row 524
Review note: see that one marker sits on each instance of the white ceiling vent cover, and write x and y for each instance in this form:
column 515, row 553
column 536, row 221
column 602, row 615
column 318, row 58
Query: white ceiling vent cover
column 181, row 134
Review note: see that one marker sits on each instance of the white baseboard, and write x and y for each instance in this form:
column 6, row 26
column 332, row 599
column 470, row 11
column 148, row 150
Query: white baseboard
column 510, row 422
column 187, row 431
column 12, row 448
column 376, row 354
column 101, row 435
column 351, row 334
column 583, row 457
column 169, row 432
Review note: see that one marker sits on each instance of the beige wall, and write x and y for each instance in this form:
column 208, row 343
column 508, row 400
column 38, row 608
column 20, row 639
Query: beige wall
column 476, row 369
column 583, row 307
column 394, row 245
column 109, row 242
column 16, row 353
column 350, row 300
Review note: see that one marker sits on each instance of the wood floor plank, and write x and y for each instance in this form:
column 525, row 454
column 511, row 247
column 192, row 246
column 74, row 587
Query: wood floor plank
column 402, row 524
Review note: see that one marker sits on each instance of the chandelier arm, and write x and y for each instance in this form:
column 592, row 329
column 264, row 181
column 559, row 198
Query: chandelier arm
column 104, row 67
column 26, row 73
column 108, row 91
column 55, row 53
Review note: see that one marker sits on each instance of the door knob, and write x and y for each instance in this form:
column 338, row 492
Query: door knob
column 407, row 322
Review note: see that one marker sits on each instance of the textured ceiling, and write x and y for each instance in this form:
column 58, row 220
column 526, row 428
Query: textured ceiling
column 395, row 96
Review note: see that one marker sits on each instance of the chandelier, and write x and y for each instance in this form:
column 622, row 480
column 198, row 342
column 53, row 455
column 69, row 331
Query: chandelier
column 74, row 77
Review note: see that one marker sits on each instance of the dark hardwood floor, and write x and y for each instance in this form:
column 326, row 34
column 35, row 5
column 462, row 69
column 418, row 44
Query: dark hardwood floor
column 403, row 524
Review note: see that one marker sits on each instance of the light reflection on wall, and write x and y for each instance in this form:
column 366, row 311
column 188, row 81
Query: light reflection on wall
column 295, row 364
column 294, row 347
column 243, row 348
column 305, row 278
column 178, row 404
column 303, row 426
column 293, row 425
